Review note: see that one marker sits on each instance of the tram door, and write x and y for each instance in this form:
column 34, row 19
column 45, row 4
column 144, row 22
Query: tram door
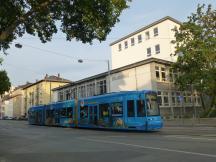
column 57, row 116
column 93, row 115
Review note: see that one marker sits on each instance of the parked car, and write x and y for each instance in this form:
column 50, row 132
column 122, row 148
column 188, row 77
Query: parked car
column 22, row 118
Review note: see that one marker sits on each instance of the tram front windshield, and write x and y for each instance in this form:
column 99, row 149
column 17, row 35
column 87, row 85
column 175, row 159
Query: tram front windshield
column 152, row 105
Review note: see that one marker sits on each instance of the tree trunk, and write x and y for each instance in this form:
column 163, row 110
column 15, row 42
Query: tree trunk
column 213, row 101
column 202, row 101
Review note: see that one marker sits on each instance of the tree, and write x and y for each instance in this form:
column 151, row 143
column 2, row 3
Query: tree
column 196, row 41
column 4, row 82
column 84, row 20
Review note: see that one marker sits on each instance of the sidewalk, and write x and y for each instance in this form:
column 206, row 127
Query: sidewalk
column 199, row 122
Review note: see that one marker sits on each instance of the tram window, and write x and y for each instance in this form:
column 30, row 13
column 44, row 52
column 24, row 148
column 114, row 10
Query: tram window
column 69, row 112
column 104, row 110
column 49, row 113
column 84, row 112
column 57, row 112
column 90, row 111
column 117, row 108
column 140, row 108
column 63, row 112
column 130, row 108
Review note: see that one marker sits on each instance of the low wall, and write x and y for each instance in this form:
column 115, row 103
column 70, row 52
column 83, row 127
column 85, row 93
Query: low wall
column 209, row 122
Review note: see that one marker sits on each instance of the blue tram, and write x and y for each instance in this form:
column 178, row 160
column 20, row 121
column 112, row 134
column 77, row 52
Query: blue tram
column 129, row 110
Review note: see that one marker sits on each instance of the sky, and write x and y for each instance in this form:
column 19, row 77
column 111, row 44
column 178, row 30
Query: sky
column 34, row 60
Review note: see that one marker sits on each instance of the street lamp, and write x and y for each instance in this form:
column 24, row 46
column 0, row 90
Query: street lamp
column 108, row 68
column 18, row 45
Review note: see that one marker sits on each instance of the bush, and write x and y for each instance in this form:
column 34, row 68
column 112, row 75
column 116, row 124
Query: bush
column 212, row 113
column 209, row 113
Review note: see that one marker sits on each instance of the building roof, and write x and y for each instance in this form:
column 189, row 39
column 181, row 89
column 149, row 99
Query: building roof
column 23, row 86
column 51, row 78
column 9, row 96
column 101, row 75
column 146, row 27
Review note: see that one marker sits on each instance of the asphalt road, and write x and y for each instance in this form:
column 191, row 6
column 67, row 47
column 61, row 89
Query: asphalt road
column 20, row 142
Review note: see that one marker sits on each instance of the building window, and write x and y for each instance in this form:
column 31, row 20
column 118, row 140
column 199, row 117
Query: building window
column 157, row 49
column 147, row 35
column 155, row 32
column 139, row 38
column 165, row 99
column 179, row 98
column 91, row 89
column 101, row 87
column 61, row 96
column 126, row 44
column 68, row 95
column 170, row 75
column 174, row 98
column 157, row 72
column 74, row 93
column 197, row 100
column 160, row 73
column 119, row 47
column 82, row 91
column 132, row 42
column 163, row 74
column 148, row 52
column 187, row 97
column 159, row 98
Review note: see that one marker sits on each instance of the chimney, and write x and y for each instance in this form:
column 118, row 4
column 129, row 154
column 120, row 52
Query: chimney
column 58, row 75
column 46, row 76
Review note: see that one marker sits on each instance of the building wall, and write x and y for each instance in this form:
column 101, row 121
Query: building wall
column 8, row 108
column 84, row 89
column 156, row 75
column 173, row 103
column 39, row 94
column 17, row 106
column 18, row 103
column 1, row 108
column 137, row 78
column 138, row 51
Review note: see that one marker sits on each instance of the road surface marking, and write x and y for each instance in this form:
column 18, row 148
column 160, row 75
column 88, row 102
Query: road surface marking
column 189, row 137
column 148, row 147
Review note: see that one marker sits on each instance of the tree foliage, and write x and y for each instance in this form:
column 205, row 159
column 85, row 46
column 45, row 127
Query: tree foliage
column 196, row 41
column 4, row 82
column 83, row 20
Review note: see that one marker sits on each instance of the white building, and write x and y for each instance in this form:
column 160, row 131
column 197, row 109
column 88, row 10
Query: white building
column 151, row 41
column 1, row 108
column 8, row 107
column 140, row 60
column 6, row 104
column 12, row 103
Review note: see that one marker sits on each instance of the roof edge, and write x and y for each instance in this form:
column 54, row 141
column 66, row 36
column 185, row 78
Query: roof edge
column 146, row 27
column 104, row 74
column 49, row 80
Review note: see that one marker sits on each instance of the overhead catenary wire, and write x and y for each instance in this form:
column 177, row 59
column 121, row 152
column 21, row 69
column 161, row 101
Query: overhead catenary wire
column 62, row 54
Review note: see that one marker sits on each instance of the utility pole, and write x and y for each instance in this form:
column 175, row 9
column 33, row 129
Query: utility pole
column 109, row 76
column 50, row 90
